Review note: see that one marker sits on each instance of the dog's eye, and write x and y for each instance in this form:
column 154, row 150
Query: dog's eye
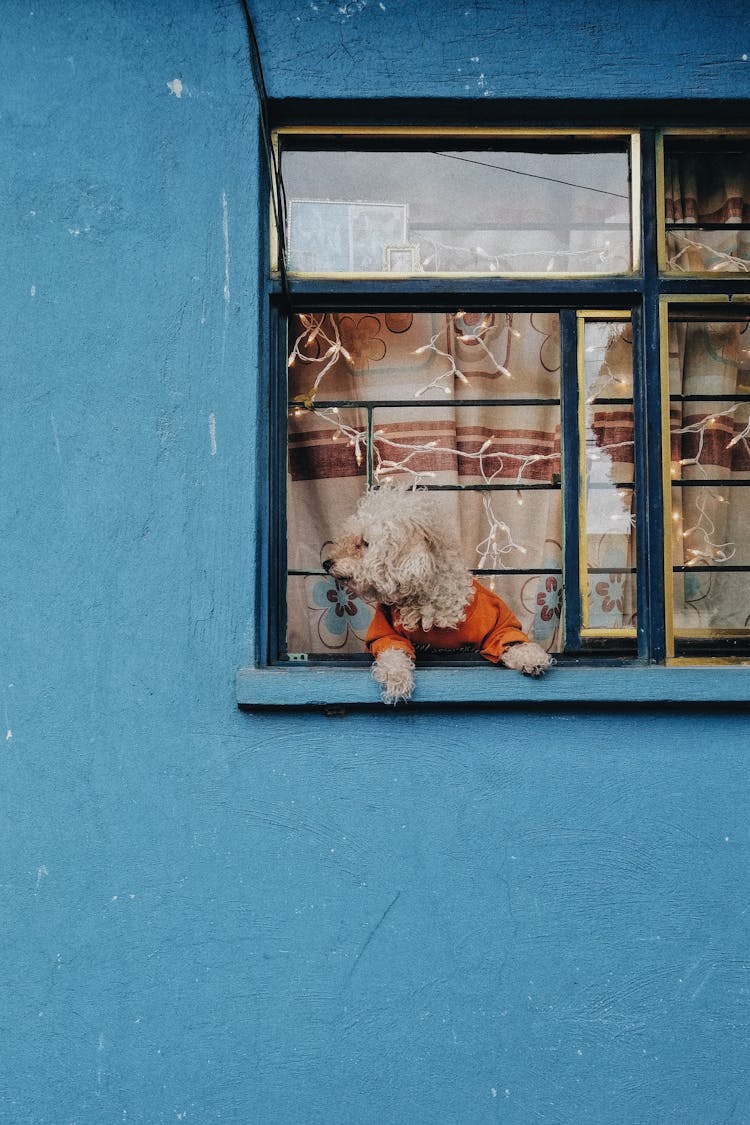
column 365, row 543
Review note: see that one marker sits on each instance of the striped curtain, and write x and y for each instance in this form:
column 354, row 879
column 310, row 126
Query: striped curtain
column 706, row 189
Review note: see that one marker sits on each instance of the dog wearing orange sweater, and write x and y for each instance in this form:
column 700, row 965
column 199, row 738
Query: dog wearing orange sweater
column 397, row 553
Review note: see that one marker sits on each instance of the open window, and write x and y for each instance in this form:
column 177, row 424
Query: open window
column 549, row 330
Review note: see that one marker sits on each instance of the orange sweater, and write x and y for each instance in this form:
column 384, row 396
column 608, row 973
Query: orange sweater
column 488, row 627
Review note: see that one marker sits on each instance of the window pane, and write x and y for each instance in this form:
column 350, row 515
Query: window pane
column 725, row 589
column 465, row 404
column 709, row 377
column 608, row 503
column 707, row 206
column 558, row 208
column 425, row 356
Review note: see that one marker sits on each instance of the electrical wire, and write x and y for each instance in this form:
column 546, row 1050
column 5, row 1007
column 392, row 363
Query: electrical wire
column 530, row 175
column 278, row 193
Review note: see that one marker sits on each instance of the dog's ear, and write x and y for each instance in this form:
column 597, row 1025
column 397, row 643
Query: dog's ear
column 417, row 564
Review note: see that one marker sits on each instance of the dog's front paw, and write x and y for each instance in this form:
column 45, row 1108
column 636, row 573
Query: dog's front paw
column 394, row 671
column 528, row 657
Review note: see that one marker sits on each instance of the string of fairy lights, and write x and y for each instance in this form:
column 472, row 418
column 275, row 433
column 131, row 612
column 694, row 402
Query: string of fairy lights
column 321, row 332
column 702, row 531
column 721, row 260
column 319, row 345
column 437, row 257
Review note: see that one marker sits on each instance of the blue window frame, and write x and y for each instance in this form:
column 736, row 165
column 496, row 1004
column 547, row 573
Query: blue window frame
column 673, row 287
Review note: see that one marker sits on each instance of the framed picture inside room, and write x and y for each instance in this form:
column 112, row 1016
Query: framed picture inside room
column 330, row 236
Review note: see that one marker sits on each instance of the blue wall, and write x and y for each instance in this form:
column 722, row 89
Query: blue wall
column 215, row 916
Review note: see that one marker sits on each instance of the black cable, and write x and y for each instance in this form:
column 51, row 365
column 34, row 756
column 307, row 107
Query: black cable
column 278, row 192
column 531, row 175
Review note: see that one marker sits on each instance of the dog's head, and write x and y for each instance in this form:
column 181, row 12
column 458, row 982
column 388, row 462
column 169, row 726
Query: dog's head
column 389, row 550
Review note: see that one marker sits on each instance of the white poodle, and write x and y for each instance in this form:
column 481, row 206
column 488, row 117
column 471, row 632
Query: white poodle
column 397, row 552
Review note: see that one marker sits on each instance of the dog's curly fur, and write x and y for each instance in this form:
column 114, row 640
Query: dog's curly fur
column 397, row 550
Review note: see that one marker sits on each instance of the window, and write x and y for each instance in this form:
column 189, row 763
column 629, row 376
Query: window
column 551, row 330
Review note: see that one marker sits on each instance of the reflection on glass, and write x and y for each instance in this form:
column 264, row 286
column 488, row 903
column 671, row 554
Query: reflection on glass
column 608, row 520
column 710, row 470
column 466, row 211
column 710, row 602
column 707, row 206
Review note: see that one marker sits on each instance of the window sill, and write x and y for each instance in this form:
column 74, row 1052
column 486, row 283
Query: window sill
column 325, row 687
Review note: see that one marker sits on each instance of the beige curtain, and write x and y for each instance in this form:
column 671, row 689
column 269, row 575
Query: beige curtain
column 702, row 189
column 709, row 446
column 709, row 449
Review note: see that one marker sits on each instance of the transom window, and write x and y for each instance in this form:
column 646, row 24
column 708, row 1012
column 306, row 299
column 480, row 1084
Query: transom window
column 445, row 205
column 551, row 331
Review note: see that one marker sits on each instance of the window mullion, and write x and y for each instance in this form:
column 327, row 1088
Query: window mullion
column 641, row 463
column 650, row 531
column 571, row 478
column 277, row 500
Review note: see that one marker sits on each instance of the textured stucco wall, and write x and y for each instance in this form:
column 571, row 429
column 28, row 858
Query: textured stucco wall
column 213, row 916
column 496, row 49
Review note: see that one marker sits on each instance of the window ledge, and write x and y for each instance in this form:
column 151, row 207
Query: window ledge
column 306, row 686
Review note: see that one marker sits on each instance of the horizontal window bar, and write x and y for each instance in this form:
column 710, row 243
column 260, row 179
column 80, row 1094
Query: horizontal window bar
column 471, row 292
column 486, row 572
column 698, row 226
column 710, row 398
column 703, row 482
column 507, row 486
column 717, row 568
column 420, row 404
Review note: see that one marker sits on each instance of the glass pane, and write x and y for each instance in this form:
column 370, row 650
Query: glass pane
column 551, row 208
column 709, row 522
column 424, row 357
column 710, row 468
column 713, row 601
column 608, row 503
column 707, row 206
column 537, row 601
column 477, row 421
column 323, row 617
column 483, row 445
